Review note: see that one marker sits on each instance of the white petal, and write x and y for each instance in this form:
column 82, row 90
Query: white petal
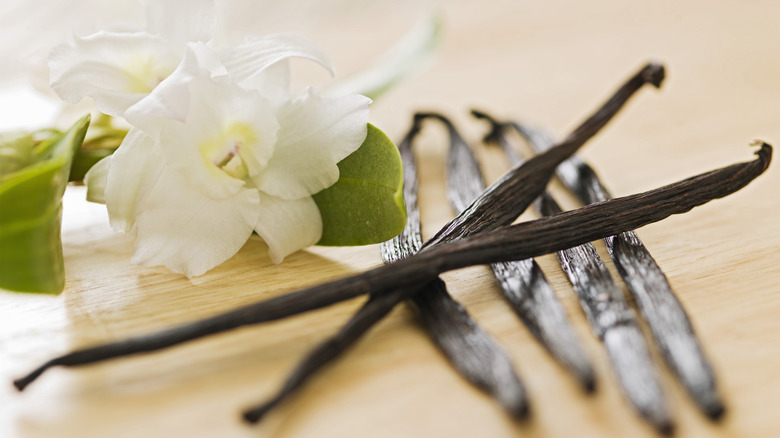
column 171, row 98
column 224, row 120
column 315, row 134
column 181, row 21
column 256, row 54
column 30, row 31
column 95, row 179
column 135, row 167
column 273, row 83
column 288, row 225
column 188, row 232
column 115, row 69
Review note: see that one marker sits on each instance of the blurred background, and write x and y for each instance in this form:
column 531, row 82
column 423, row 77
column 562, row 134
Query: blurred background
column 547, row 62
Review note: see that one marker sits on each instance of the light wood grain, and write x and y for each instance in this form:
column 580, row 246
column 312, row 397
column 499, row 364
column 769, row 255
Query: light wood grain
column 546, row 62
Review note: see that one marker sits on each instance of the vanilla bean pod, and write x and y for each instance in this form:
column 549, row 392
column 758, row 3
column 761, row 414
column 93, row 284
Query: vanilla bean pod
column 520, row 241
column 436, row 302
column 522, row 282
column 608, row 313
column 614, row 323
column 510, row 195
column 468, row 348
column 499, row 205
column 466, row 345
column 665, row 316
column 376, row 308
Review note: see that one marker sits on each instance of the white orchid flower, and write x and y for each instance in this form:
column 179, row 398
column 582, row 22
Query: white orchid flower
column 210, row 162
column 218, row 148
column 119, row 69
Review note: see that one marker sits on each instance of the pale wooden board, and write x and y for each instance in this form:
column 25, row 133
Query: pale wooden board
column 550, row 62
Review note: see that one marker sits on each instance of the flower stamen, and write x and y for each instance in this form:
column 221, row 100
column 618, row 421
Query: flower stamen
column 225, row 152
column 224, row 162
column 234, row 166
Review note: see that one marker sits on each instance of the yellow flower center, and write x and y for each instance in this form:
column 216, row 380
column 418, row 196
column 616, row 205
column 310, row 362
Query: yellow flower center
column 146, row 72
column 224, row 153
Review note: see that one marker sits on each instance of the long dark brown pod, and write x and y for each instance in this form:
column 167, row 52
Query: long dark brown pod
column 608, row 313
column 488, row 208
column 521, row 241
column 510, row 195
column 469, row 349
column 665, row 316
column 434, row 303
column 522, row 282
column 466, row 345
column 376, row 308
column 614, row 323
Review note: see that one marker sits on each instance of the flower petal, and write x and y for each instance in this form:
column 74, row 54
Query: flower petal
column 188, row 232
column 135, row 166
column 246, row 61
column 115, row 69
column 315, row 134
column 171, row 98
column 224, row 120
column 181, row 21
column 288, row 225
column 95, row 180
column 273, row 83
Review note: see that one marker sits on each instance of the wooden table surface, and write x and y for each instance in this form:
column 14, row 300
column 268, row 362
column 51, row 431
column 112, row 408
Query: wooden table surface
column 550, row 63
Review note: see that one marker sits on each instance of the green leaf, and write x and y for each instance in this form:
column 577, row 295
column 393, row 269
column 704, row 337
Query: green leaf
column 366, row 204
column 31, row 212
column 103, row 139
column 16, row 151
column 85, row 159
